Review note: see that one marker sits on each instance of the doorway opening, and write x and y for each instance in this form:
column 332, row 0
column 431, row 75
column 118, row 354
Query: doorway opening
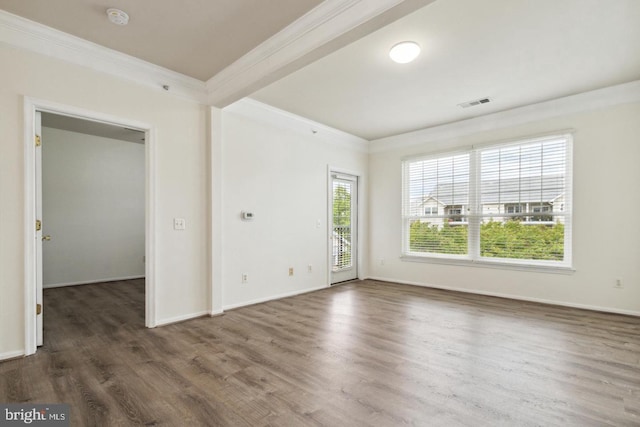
column 89, row 192
column 343, row 203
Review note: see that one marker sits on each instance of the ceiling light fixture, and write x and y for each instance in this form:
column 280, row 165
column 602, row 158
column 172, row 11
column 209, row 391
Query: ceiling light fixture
column 117, row 16
column 404, row 52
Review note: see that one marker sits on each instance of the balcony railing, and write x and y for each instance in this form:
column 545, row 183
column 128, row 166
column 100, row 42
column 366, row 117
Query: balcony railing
column 341, row 247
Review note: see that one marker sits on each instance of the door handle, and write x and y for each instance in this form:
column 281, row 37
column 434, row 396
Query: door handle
column 47, row 237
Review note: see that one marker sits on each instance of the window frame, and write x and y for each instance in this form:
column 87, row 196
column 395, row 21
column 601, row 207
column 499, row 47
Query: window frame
column 474, row 215
column 431, row 212
column 515, row 208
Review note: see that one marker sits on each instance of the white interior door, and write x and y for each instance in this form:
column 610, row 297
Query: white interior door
column 344, row 227
column 34, row 211
column 39, row 227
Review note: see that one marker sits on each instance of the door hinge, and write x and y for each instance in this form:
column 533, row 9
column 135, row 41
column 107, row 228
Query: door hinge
column 38, row 309
column 38, row 225
column 38, row 141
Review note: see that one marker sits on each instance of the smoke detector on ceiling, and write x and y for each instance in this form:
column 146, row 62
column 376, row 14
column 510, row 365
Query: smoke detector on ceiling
column 117, row 16
column 475, row 102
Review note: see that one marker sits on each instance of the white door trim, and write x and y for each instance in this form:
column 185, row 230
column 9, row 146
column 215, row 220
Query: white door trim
column 331, row 170
column 31, row 105
column 38, row 239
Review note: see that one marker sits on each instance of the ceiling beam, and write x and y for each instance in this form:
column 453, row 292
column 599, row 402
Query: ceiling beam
column 326, row 28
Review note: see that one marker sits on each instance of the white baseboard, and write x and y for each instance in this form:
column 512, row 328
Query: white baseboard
column 11, row 354
column 181, row 318
column 89, row 282
column 272, row 298
column 214, row 313
column 513, row 297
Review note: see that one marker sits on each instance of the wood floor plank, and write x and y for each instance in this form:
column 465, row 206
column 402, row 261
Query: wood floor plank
column 366, row 353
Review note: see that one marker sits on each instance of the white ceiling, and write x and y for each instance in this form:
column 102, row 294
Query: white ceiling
column 197, row 38
column 516, row 52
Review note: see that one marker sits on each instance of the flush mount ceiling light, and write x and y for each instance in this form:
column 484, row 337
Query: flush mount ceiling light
column 117, row 16
column 404, row 52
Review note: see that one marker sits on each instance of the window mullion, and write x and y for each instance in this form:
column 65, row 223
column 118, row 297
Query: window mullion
column 405, row 206
column 473, row 210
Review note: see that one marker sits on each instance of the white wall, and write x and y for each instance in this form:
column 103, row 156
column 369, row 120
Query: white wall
column 605, row 243
column 280, row 174
column 93, row 205
column 181, row 178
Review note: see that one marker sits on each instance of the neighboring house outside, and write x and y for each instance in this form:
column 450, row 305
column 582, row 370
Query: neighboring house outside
column 500, row 200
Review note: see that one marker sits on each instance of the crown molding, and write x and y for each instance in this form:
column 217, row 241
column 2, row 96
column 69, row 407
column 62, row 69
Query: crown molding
column 326, row 22
column 611, row 96
column 25, row 34
column 272, row 116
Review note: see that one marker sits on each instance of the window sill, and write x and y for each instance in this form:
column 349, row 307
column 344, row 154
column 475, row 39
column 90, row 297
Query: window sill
column 502, row 265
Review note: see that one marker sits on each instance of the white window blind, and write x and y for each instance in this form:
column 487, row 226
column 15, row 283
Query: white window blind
column 503, row 203
column 342, row 214
column 437, row 184
column 523, row 199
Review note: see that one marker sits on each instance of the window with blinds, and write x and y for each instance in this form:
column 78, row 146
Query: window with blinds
column 502, row 203
column 436, row 204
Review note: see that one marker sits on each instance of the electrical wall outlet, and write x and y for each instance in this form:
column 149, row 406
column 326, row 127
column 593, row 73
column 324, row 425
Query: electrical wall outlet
column 290, row 271
column 179, row 224
column 309, row 268
column 618, row 284
column 245, row 277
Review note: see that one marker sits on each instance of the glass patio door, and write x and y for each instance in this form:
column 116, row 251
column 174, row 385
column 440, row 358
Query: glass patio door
column 344, row 230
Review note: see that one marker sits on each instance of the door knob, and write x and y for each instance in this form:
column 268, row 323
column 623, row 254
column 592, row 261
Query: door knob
column 47, row 237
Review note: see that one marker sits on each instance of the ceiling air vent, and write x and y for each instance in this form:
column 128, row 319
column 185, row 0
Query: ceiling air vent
column 475, row 102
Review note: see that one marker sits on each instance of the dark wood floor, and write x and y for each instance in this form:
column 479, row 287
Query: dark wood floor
column 365, row 353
